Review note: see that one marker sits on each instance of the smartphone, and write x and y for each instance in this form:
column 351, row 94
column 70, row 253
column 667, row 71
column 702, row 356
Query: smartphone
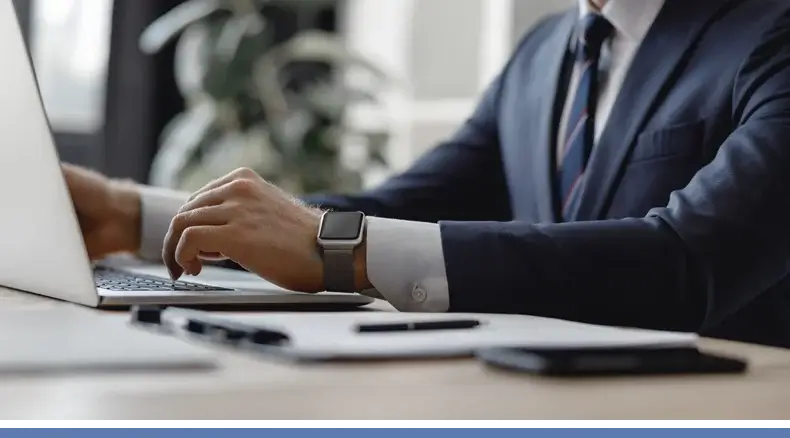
column 609, row 361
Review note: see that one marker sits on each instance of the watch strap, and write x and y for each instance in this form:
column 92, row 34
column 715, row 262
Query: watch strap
column 339, row 273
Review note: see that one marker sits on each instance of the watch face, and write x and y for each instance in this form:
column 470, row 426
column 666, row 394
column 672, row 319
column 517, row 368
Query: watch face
column 341, row 226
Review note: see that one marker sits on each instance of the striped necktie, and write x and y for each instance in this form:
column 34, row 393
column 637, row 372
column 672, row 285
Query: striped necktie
column 580, row 129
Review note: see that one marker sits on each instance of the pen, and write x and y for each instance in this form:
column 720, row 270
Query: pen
column 418, row 326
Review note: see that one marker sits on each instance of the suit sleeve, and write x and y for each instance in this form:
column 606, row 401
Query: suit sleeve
column 460, row 179
column 719, row 243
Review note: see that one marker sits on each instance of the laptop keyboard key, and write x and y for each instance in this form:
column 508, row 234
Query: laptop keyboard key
column 110, row 279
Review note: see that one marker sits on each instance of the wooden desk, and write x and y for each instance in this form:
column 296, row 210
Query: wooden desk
column 251, row 388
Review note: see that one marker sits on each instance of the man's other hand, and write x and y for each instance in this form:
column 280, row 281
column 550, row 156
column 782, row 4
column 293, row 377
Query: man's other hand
column 252, row 222
column 108, row 211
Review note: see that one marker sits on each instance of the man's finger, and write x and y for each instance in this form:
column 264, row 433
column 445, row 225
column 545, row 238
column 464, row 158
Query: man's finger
column 209, row 198
column 197, row 240
column 232, row 176
column 215, row 215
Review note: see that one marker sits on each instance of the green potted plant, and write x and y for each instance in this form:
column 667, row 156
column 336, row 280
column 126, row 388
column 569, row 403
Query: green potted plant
column 241, row 109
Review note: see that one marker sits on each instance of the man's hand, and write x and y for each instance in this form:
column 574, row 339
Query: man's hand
column 108, row 211
column 252, row 222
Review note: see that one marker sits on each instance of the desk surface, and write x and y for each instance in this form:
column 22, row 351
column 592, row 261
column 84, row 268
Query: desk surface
column 250, row 388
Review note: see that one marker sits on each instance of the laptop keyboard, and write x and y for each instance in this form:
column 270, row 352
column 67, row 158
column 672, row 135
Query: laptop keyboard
column 115, row 280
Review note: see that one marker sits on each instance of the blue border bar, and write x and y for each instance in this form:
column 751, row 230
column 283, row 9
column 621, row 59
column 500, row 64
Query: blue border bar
column 391, row 433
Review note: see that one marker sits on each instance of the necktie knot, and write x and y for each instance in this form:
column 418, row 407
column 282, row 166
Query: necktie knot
column 595, row 30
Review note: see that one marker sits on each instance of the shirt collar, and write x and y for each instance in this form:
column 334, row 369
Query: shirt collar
column 631, row 18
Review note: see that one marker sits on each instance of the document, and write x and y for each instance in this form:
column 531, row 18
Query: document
column 68, row 340
column 338, row 335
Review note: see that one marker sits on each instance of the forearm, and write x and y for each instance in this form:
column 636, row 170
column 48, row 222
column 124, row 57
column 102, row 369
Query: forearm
column 633, row 272
column 382, row 270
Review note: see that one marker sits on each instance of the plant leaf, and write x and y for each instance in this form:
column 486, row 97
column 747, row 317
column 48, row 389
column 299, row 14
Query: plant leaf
column 230, row 38
column 238, row 44
column 181, row 141
column 332, row 99
column 191, row 61
column 320, row 46
column 173, row 22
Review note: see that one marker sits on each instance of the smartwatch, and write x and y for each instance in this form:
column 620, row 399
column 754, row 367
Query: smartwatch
column 338, row 235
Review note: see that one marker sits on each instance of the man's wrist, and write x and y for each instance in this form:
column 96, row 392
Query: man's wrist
column 348, row 274
column 361, row 280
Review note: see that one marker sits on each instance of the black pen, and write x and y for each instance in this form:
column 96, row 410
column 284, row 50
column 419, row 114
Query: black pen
column 459, row 324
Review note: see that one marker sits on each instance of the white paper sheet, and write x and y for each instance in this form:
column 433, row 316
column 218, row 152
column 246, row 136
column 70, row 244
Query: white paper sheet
column 62, row 340
column 335, row 334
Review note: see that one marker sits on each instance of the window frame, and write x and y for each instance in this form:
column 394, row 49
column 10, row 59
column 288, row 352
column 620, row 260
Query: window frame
column 83, row 148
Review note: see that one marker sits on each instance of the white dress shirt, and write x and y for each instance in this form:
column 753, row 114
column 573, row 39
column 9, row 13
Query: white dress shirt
column 405, row 260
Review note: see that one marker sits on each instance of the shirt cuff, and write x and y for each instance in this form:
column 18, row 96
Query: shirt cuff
column 158, row 207
column 405, row 264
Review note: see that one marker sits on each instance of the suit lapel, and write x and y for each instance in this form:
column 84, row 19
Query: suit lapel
column 659, row 59
column 553, row 54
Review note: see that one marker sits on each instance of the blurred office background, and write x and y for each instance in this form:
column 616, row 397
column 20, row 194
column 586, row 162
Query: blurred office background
column 112, row 99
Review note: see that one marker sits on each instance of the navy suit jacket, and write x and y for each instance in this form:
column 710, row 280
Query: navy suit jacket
column 684, row 220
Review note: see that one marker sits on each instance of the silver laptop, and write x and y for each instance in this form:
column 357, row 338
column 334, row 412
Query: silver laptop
column 41, row 246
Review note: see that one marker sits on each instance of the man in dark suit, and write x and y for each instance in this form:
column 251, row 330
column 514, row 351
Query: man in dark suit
column 629, row 166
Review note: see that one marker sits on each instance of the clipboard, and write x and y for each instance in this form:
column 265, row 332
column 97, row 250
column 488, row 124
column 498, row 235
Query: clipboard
column 323, row 337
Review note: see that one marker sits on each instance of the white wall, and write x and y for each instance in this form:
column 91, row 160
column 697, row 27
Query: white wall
column 445, row 51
